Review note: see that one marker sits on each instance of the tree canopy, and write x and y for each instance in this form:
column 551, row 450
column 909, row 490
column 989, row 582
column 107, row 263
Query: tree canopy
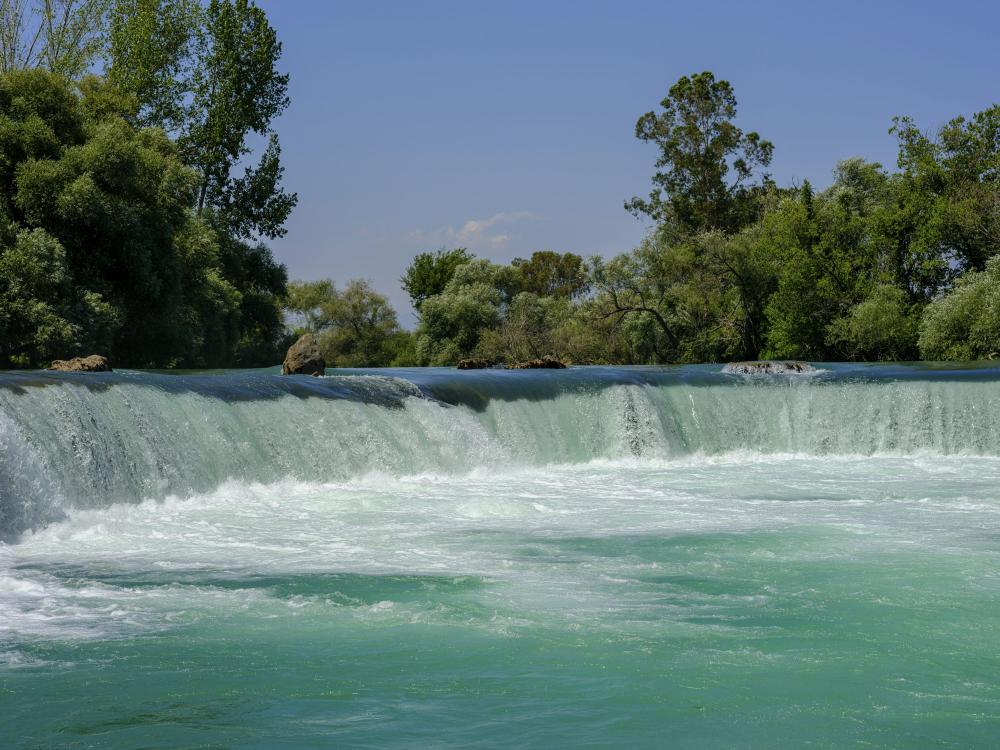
column 127, row 228
column 356, row 326
column 429, row 273
column 119, row 188
column 62, row 36
column 706, row 164
column 879, row 265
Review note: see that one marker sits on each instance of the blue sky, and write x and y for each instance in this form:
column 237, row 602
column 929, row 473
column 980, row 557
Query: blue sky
column 508, row 127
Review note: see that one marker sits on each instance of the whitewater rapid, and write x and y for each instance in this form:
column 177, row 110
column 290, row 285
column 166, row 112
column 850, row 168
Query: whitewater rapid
column 146, row 563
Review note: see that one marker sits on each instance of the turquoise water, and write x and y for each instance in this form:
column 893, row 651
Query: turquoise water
column 591, row 558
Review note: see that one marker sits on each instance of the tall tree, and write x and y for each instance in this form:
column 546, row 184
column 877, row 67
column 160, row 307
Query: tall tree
column 965, row 323
column 61, row 36
column 706, row 164
column 951, row 182
column 357, row 326
column 150, row 56
column 99, row 246
column 237, row 91
column 307, row 302
column 208, row 74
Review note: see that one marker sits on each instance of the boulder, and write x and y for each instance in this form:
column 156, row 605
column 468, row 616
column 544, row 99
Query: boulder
column 93, row 363
column 475, row 363
column 768, row 368
column 548, row 362
column 304, row 357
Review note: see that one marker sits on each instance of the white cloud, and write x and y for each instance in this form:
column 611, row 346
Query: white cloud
column 474, row 233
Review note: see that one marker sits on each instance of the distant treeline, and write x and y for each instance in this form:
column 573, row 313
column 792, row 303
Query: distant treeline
column 126, row 228
column 879, row 266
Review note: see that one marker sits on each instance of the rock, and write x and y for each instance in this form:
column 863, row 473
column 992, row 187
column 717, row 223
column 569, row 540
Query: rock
column 768, row 368
column 93, row 363
column 475, row 363
column 304, row 358
column 548, row 362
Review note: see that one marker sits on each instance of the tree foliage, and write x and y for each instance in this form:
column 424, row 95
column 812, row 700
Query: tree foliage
column 706, row 163
column 150, row 55
column 550, row 274
column 452, row 322
column 208, row 74
column 356, row 326
column 133, row 171
column 429, row 273
column 880, row 265
column 126, row 228
column 42, row 313
column 62, row 36
column 104, row 210
column 964, row 324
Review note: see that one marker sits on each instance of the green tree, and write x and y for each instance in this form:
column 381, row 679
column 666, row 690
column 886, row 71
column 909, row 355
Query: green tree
column 208, row 74
column 668, row 304
column 39, row 117
column 952, row 182
column 429, row 273
column 237, row 91
column 530, row 328
column 150, row 56
column 881, row 327
column 706, row 164
column 262, row 286
column 116, row 203
column 549, row 274
column 636, row 290
column 115, row 169
column 964, row 324
column 306, row 304
column 831, row 251
column 356, row 326
column 362, row 327
column 207, row 313
column 139, row 274
column 61, row 36
column 472, row 303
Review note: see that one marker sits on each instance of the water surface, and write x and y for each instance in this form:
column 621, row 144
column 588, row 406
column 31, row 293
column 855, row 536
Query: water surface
column 655, row 557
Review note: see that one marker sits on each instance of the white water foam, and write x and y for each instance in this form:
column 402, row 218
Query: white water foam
column 119, row 570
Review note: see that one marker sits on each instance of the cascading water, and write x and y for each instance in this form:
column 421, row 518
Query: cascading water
column 89, row 441
column 492, row 558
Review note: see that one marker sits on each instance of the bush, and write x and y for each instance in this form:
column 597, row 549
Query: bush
column 42, row 316
column 964, row 324
column 880, row 328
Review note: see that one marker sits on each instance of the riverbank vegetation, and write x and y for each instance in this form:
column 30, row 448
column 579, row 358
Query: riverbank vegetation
column 126, row 226
column 881, row 265
column 130, row 225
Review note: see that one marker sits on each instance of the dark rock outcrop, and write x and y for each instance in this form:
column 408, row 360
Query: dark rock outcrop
column 768, row 368
column 475, row 363
column 304, row 357
column 93, row 363
column 548, row 362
